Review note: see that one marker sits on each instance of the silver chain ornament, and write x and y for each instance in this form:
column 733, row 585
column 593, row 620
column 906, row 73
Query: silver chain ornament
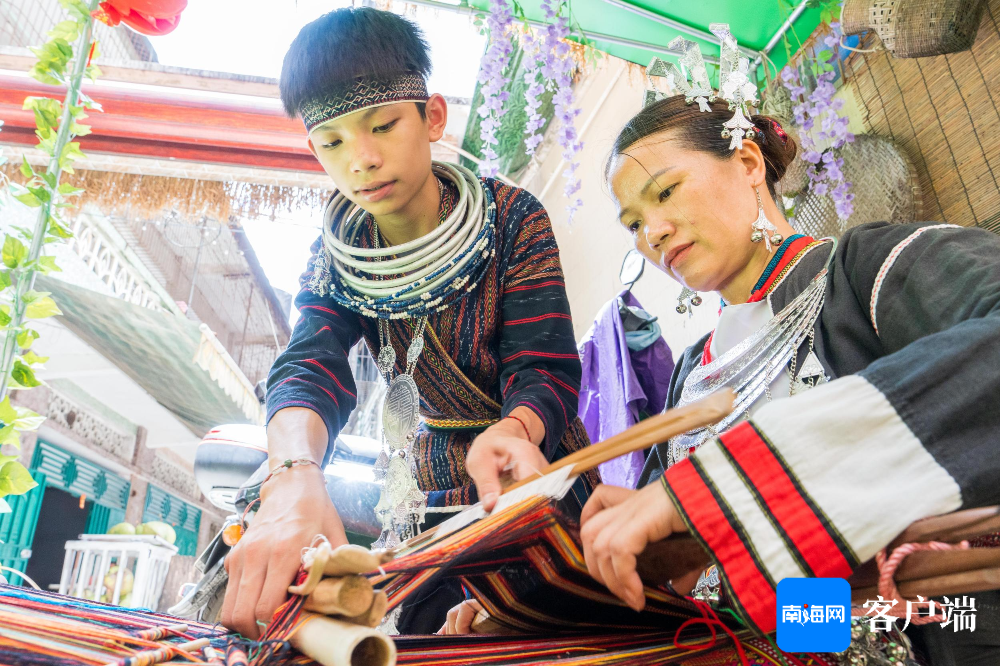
column 402, row 505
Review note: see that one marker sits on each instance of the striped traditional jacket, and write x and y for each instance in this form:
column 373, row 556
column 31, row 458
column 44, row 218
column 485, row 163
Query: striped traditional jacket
column 909, row 426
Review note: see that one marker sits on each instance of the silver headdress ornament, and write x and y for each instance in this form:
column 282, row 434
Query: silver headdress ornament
column 735, row 85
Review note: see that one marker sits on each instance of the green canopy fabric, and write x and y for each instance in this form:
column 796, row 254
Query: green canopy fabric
column 626, row 22
column 155, row 349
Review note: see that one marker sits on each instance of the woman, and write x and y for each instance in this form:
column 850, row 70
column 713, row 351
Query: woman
column 866, row 371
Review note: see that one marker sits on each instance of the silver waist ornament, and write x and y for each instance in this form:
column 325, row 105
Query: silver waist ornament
column 751, row 366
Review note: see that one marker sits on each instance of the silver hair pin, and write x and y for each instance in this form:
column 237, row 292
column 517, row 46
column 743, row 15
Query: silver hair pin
column 691, row 80
column 735, row 86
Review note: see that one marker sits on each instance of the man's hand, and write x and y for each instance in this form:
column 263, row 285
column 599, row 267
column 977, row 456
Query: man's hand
column 616, row 526
column 460, row 618
column 294, row 508
column 503, row 448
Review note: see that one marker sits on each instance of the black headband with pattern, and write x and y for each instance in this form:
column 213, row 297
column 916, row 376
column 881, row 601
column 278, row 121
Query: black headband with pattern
column 363, row 93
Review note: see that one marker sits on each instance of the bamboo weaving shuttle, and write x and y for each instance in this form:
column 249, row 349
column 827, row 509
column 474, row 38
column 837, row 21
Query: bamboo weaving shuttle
column 332, row 642
column 349, row 596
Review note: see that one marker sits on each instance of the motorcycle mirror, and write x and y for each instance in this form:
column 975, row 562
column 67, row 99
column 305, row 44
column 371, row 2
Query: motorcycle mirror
column 632, row 268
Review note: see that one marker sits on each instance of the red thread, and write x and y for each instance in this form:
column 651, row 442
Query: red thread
column 557, row 381
column 331, row 375
column 528, row 352
column 710, row 619
column 527, row 287
column 527, row 435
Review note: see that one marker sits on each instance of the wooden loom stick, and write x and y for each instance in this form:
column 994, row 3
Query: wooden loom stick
column 335, row 643
column 680, row 554
column 654, row 430
column 373, row 616
column 156, row 633
column 965, row 582
column 951, row 527
column 926, row 564
column 643, row 435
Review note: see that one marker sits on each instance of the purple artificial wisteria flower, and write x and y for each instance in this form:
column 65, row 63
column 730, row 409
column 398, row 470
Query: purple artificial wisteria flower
column 818, row 116
column 550, row 65
column 492, row 79
column 556, row 65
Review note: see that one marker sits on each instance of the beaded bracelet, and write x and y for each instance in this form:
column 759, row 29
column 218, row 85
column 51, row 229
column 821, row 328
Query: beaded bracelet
column 527, row 435
column 288, row 464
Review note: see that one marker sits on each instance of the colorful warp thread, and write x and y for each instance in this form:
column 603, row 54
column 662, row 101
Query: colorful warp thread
column 44, row 629
column 236, row 656
column 525, row 565
column 645, row 649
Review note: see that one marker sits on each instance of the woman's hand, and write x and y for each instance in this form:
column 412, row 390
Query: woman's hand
column 460, row 618
column 294, row 508
column 505, row 447
column 616, row 526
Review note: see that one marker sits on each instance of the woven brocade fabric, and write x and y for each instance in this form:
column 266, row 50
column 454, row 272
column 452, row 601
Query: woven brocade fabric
column 525, row 566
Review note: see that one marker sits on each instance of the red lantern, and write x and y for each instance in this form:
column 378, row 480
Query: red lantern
column 150, row 17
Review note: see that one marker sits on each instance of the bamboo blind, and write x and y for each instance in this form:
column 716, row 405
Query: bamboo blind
column 944, row 112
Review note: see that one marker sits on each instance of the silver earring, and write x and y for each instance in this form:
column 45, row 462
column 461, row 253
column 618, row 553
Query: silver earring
column 763, row 228
column 688, row 299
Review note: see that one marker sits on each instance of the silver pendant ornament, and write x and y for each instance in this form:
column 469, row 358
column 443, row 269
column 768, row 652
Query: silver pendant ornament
column 763, row 229
column 687, row 300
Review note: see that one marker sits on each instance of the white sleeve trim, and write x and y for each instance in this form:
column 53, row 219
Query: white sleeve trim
column 858, row 461
column 890, row 260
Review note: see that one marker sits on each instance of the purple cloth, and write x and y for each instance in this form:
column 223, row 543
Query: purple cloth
column 618, row 385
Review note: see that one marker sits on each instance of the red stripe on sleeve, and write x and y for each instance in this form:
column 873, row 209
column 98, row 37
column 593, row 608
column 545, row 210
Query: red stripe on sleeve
column 321, row 309
column 528, row 287
column 705, row 516
column 531, row 320
column 784, row 501
column 299, row 379
column 558, row 381
column 330, row 375
column 526, row 352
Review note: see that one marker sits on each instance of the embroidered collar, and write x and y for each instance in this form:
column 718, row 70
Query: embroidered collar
column 788, row 254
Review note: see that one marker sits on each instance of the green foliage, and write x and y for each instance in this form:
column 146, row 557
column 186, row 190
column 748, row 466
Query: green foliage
column 14, row 478
column 20, row 251
column 829, row 9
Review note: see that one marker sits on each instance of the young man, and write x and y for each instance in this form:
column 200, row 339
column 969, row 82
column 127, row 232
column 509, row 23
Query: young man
column 455, row 285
